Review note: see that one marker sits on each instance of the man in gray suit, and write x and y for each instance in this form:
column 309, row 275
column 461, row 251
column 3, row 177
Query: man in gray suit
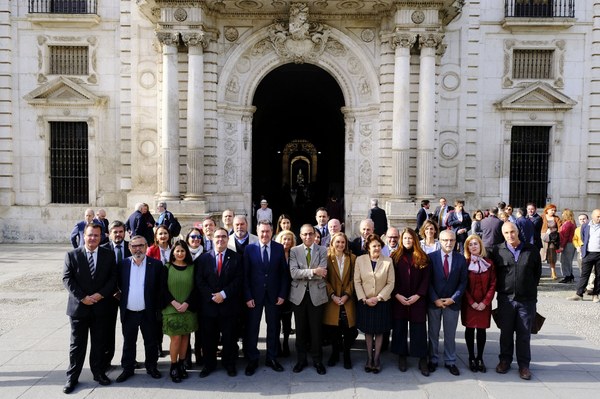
column 308, row 294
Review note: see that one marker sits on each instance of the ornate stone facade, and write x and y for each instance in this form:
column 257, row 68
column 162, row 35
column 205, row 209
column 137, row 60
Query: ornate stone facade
column 429, row 95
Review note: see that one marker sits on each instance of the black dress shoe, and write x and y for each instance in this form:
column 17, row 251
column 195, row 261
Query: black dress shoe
column 453, row 369
column 124, row 376
column 231, row 371
column 251, row 368
column 274, row 364
column 481, row 366
column 102, row 379
column 154, row 373
column 205, row 372
column 473, row 365
column 432, row 367
column 299, row 367
column 402, row 364
column 320, row 368
column 69, row 387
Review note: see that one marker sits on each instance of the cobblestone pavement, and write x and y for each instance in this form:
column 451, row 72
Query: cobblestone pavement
column 34, row 334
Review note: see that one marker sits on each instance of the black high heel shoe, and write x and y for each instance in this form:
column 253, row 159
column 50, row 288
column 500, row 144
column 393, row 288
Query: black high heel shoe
column 481, row 366
column 473, row 365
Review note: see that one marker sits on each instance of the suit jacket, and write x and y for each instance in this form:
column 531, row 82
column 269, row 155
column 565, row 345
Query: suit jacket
column 421, row 218
column 78, row 281
column 265, row 282
column 317, row 227
column 356, row 247
column 368, row 282
column 491, row 231
column 452, row 287
column 302, row 275
column 252, row 239
column 537, row 229
column 111, row 246
column 436, row 214
column 456, row 224
column 517, row 279
column 379, row 218
column 77, row 232
column 340, row 286
column 230, row 281
column 152, row 285
column 585, row 238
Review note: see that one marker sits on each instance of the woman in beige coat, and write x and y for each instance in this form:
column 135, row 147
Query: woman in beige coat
column 373, row 282
column 340, row 315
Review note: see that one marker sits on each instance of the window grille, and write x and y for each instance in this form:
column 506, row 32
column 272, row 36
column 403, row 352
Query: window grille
column 68, row 60
column 533, row 64
column 529, row 156
column 63, row 6
column 539, row 8
column 69, row 162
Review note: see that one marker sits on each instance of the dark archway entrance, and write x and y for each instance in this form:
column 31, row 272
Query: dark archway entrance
column 298, row 141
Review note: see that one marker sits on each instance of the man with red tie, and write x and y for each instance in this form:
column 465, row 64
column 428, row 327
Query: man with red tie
column 219, row 279
column 448, row 283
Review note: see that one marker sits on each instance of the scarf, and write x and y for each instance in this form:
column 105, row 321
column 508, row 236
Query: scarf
column 478, row 264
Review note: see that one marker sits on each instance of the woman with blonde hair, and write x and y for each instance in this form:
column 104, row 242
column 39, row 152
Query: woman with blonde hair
column 550, row 237
column 476, row 306
column 340, row 314
column 409, row 306
column 567, row 249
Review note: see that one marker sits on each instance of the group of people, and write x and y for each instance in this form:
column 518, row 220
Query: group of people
column 213, row 284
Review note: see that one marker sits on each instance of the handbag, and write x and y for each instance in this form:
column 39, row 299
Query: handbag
column 536, row 326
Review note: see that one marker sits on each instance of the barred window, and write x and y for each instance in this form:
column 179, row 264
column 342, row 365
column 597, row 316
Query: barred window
column 68, row 60
column 69, row 162
column 533, row 64
column 63, row 6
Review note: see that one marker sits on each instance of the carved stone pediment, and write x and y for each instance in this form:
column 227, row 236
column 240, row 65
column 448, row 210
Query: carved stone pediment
column 538, row 96
column 298, row 39
column 64, row 92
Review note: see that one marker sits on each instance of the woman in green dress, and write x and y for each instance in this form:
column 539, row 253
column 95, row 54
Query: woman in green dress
column 179, row 316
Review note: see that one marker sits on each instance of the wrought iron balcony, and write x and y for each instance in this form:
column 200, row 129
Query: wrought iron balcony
column 539, row 8
column 63, row 6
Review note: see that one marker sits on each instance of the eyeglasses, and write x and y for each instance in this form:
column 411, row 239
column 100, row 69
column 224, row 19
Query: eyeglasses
column 219, row 236
column 195, row 237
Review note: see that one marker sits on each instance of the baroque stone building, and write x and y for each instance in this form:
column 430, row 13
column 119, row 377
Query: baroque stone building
column 213, row 104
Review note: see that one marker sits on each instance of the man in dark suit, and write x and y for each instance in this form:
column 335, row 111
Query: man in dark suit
column 120, row 248
column 590, row 255
column 219, row 279
column 77, row 232
column 139, row 282
column 379, row 218
column 308, row 293
column 440, row 213
column 266, row 285
column 491, row 230
column 518, row 270
column 460, row 222
column 101, row 217
column 357, row 246
column 537, row 224
column 322, row 220
column 448, row 283
column 90, row 277
column 422, row 215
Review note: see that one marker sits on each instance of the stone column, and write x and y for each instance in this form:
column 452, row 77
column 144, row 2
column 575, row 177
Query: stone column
column 169, row 183
column 196, row 42
column 402, row 43
column 426, row 118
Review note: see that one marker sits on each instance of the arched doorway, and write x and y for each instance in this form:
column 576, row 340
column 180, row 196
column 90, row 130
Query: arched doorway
column 298, row 141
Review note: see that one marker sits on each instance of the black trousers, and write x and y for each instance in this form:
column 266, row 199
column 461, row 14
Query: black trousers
column 309, row 327
column 589, row 263
column 132, row 322
column 97, row 328
column 418, row 338
column 212, row 329
column 515, row 318
column 111, row 330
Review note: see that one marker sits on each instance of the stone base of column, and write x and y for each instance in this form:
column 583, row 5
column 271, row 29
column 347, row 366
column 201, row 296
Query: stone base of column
column 194, row 197
column 402, row 213
column 167, row 196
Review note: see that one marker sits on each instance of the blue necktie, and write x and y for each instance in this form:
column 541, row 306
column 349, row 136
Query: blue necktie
column 265, row 255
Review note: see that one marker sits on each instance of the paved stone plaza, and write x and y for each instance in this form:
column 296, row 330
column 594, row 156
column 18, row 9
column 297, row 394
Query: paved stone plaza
column 34, row 338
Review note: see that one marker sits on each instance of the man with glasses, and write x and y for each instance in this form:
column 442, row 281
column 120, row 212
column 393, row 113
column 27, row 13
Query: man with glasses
column 139, row 280
column 308, row 294
column 392, row 236
column 448, row 283
column 219, row 278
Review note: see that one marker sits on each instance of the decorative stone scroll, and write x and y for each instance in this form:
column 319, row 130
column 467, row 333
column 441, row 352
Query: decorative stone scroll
column 192, row 39
column 168, row 38
column 403, row 39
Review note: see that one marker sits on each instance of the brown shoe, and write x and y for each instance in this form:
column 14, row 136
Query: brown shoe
column 503, row 367
column 524, row 373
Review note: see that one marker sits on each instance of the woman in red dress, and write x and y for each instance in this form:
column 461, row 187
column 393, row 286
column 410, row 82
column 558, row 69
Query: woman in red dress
column 476, row 305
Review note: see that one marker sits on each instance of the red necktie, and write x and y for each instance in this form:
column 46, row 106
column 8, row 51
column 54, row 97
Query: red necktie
column 220, row 264
column 446, row 266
